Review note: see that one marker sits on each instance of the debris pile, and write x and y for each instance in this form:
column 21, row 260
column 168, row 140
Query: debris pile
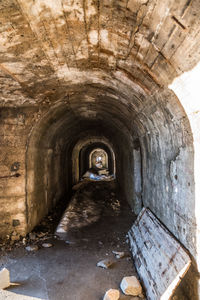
column 40, row 235
column 130, row 285
column 98, row 175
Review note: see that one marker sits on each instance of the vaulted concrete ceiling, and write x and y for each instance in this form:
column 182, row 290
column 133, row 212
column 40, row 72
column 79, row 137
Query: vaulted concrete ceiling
column 48, row 46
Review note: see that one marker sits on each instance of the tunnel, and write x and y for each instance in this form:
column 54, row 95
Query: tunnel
column 116, row 82
column 147, row 139
column 149, row 152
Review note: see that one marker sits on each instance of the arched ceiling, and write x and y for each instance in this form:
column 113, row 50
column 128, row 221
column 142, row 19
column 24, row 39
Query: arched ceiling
column 48, row 46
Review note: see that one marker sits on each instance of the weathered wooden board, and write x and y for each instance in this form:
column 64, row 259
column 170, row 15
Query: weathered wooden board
column 160, row 260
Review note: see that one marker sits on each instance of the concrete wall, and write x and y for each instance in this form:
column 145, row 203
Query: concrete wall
column 15, row 125
column 46, row 139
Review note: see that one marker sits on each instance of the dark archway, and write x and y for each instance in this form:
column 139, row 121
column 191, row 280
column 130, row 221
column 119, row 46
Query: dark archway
column 84, row 157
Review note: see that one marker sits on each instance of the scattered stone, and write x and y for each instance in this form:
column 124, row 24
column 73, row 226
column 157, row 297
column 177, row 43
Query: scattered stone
column 41, row 234
column 15, row 238
column 100, row 243
column 106, row 263
column 131, row 286
column 32, row 236
column 47, row 245
column 112, row 295
column 32, row 248
column 69, row 242
column 118, row 254
column 4, row 278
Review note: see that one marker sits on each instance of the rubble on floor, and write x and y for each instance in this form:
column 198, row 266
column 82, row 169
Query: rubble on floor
column 118, row 254
column 105, row 264
column 92, row 242
column 32, row 248
column 103, row 172
column 43, row 232
column 130, row 285
column 4, row 278
column 47, row 245
column 98, row 174
column 112, row 294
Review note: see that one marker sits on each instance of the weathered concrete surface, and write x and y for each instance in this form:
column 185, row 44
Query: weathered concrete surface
column 99, row 68
column 43, row 43
column 160, row 260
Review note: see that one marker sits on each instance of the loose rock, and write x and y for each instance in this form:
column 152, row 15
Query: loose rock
column 32, row 236
column 70, row 242
column 47, row 245
column 14, row 237
column 32, row 248
column 112, row 295
column 4, row 278
column 106, row 263
column 41, row 234
column 131, row 286
column 118, row 254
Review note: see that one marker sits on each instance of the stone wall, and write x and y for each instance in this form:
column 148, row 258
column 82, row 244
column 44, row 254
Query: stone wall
column 71, row 67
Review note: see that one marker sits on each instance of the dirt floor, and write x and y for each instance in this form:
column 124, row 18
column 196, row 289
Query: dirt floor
column 96, row 225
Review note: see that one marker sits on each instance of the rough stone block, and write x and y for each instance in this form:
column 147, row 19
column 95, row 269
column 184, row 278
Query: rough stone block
column 106, row 263
column 131, row 286
column 118, row 254
column 32, row 248
column 112, row 294
column 4, row 278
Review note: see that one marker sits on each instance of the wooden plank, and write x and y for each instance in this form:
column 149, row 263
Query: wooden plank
column 159, row 258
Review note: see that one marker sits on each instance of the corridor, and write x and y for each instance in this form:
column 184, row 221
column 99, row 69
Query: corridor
column 98, row 224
